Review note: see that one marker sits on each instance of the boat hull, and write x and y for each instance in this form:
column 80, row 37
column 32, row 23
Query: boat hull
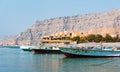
column 45, row 51
column 26, row 49
column 73, row 52
column 83, row 56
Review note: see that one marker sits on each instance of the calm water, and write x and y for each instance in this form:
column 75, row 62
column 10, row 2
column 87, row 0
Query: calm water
column 15, row 60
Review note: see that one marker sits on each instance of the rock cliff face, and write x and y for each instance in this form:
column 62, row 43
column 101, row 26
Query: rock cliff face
column 97, row 23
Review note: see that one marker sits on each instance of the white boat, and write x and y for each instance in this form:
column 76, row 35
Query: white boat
column 93, row 51
column 28, row 48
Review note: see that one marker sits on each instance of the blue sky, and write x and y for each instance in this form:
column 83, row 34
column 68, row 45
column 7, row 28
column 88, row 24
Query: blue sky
column 17, row 15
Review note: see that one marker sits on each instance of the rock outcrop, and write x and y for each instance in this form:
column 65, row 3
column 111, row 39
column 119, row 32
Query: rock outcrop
column 96, row 23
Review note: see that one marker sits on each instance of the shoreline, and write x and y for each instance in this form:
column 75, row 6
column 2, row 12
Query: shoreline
column 116, row 44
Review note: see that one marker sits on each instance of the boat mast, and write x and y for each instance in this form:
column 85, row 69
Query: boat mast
column 101, row 45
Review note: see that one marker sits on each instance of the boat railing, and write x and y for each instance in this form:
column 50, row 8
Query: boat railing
column 92, row 47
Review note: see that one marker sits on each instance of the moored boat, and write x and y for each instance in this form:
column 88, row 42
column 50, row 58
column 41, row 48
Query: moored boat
column 94, row 51
column 10, row 46
column 28, row 48
column 47, row 49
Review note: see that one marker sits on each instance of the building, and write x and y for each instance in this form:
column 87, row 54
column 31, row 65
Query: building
column 61, row 37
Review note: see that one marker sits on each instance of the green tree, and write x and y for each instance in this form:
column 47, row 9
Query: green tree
column 91, row 37
column 108, row 38
column 98, row 38
column 116, row 39
column 83, row 39
column 76, row 38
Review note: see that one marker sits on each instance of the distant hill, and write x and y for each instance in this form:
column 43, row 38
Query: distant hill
column 95, row 23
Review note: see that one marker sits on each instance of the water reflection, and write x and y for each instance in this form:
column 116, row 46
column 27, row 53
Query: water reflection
column 12, row 60
column 90, row 64
column 46, row 62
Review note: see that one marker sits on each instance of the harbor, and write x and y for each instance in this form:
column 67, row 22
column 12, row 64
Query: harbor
column 14, row 59
column 60, row 36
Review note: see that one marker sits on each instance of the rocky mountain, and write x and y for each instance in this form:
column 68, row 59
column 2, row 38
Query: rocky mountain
column 95, row 23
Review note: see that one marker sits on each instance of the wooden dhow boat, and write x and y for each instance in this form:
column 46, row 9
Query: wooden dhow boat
column 90, row 51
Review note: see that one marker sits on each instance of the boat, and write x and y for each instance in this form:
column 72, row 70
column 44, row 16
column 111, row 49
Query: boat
column 47, row 49
column 90, row 51
column 10, row 46
column 28, row 48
